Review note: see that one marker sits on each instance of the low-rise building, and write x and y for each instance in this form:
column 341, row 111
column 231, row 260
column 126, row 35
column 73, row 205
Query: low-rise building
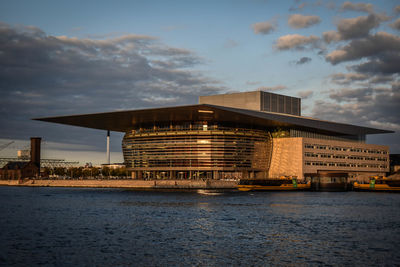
column 20, row 169
column 16, row 170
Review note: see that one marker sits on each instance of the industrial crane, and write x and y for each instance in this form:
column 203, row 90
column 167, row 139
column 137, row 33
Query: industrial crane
column 5, row 145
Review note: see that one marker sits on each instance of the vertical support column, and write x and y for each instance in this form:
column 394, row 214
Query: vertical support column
column 108, row 146
column 215, row 175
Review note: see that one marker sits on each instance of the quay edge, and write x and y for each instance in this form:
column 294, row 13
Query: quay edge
column 132, row 184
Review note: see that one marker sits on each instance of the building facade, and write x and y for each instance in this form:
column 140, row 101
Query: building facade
column 302, row 157
column 29, row 169
column 234, row 136
column 196, row 151
column 16, row 170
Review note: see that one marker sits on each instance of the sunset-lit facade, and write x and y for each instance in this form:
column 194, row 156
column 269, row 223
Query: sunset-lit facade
column 196, row 151
column 217, row 139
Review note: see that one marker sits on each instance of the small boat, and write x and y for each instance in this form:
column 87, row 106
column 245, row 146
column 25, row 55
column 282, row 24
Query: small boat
column 379, row 184
column 281, row 184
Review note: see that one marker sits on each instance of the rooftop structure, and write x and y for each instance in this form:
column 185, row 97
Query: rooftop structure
column 241, row 135
column 256, row 100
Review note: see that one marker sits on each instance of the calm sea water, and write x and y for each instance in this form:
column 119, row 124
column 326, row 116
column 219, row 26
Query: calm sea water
column 111, row 227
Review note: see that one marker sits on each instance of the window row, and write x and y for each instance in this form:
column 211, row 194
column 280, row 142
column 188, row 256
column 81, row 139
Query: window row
column 344, row 164
column 333, row 156
column 346, row 149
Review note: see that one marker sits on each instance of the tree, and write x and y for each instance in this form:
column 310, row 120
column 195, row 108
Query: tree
column 60, row 171
column 46, row 171
column 95, row 172
column 105, row 171
column 87, row 172
column 122, row 172
column 75, row 172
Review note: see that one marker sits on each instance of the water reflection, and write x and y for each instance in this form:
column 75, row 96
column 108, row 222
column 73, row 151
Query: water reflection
column 209, row 192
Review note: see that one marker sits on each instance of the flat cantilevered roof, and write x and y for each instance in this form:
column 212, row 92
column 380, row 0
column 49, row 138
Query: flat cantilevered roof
column 122, row 121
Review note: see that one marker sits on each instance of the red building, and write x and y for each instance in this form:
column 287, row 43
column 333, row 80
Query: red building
column 20, row 169
column 15, row 170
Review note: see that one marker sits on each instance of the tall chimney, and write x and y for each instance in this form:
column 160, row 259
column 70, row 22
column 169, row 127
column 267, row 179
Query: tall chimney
column 35, row 151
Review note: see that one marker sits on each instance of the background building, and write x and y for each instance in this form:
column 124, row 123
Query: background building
column 394, row 162
column 19, row 169
column 233, row 136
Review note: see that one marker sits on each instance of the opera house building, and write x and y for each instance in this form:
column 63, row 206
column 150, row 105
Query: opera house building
column 242, row 135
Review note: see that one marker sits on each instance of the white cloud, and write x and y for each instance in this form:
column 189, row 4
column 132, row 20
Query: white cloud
column 298, row 21
column 60, row 75
column 305, row 94
column 264, row 27
column 369, row 8
column 296, row 41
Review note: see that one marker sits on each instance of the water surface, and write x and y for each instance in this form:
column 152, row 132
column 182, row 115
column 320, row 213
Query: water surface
column 114, row 227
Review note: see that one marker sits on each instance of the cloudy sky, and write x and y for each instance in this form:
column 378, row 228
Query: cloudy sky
column 71, row 57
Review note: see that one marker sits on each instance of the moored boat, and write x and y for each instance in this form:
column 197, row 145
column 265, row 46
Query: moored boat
column 379, row 184
column 282, row 184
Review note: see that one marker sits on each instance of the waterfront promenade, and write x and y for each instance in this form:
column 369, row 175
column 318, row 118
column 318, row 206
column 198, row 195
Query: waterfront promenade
column 125, row 183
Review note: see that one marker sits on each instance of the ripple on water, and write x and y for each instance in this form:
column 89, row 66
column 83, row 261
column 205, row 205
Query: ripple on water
column 64, row 226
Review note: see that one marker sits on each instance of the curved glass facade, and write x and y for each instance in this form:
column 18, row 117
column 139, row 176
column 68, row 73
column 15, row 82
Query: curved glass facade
column 196, row 152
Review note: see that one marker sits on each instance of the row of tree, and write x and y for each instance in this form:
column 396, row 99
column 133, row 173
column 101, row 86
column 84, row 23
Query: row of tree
column 81, row 172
